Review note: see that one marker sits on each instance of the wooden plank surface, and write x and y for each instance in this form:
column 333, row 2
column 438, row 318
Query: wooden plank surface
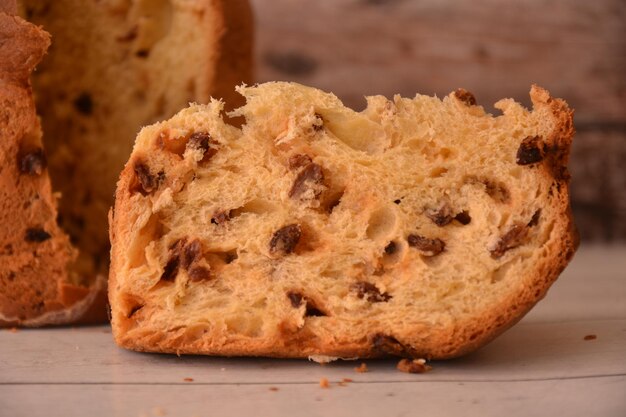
column 540, row 367
column 496, row 49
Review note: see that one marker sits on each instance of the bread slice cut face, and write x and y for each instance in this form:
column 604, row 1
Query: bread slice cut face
column 419, row 227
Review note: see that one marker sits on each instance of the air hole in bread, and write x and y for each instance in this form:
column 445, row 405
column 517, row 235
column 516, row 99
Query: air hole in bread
column 134, row 310
column 248, row 324
column 382, row 224
column 173, row 144
column 219, row 259
column 534, row 220
column 296, row 299
column 463, row 217
column 355, row 130
column 332, row 199
column 255, row 206
column 393, row 253
column 131, row 305
column 431, row 152
column 308, row 241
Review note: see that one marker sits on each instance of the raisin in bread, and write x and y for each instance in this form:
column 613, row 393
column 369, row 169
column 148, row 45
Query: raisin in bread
column 35, row 254
column 418, row 227
column 115, row 66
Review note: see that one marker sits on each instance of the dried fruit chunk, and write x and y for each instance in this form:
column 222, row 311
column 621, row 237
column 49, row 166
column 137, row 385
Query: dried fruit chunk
column 515, row 237
column 170, row 271
column 33, row 162
column 370, row 292
column 295, row 298
column 497, row 191
column 187, row 256
column 285, row 239
column 530, row 151
column 191, row 254
column 428, row 247
column 203, row 141
column 465, row 96
column 441, row 215
column 146, row 183
column 36, row 234
column 309, row 179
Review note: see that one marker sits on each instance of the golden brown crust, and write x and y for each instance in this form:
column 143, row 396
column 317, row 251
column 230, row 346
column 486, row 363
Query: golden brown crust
column 456, row 337
column 35, row 254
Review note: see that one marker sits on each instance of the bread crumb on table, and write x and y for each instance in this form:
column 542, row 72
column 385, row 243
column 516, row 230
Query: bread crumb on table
column 324, row 383
column 362, row 368
column 273, row 388
column 413, row 366
column 590, row 337
column 188, row 379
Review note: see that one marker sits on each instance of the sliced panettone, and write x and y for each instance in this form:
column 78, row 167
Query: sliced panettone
column 418, row 227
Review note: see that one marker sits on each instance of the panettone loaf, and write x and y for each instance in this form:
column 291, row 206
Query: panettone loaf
column 35, row 254
column 418, row 227
column 114, row 66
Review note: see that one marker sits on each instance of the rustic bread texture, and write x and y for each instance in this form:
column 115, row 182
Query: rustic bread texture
column 35, row 254
column 115, row 66
column 417, row 227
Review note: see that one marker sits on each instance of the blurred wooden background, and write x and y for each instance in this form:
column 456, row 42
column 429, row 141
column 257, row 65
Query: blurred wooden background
column 494, row 48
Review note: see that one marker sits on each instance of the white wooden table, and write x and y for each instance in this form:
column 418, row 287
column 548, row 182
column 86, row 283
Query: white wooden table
column 541, row 367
